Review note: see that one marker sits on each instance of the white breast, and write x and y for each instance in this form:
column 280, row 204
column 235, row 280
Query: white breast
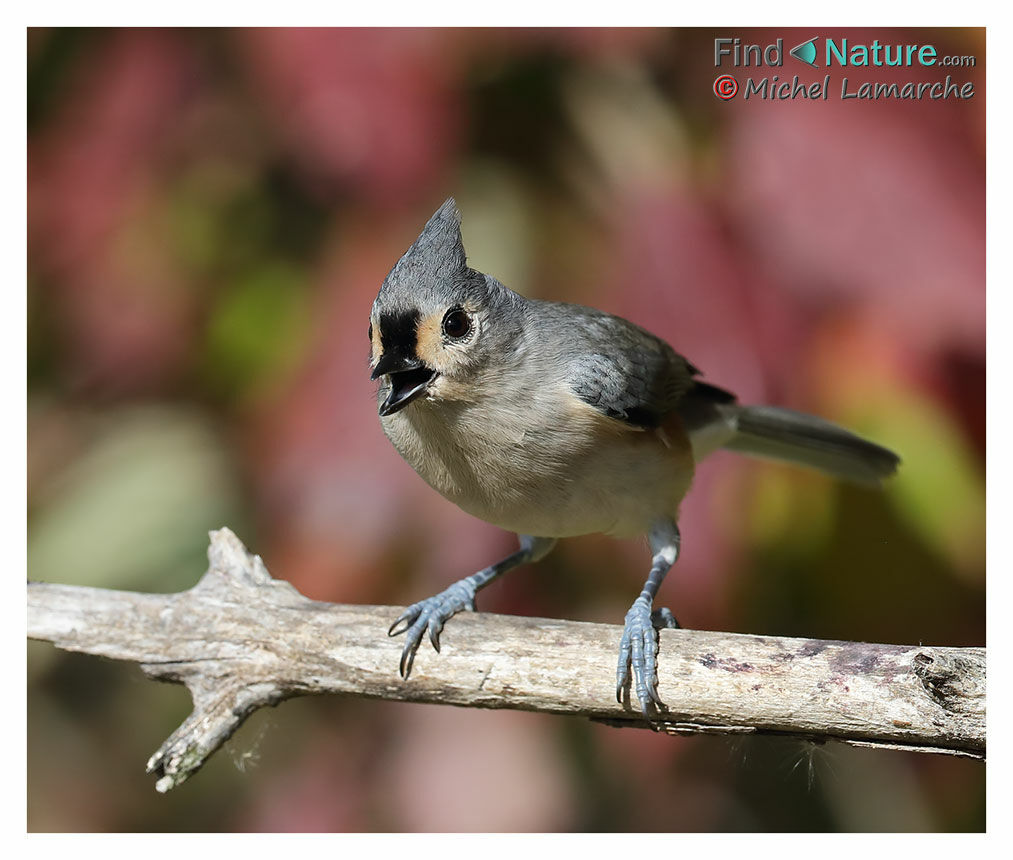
column 545, row 464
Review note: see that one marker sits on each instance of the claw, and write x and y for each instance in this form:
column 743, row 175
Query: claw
column 404, row 618
column 407, row 658
column 653, row 726
column 434, row 635
column 638, row 656
column 430, row 615
column 622, row 682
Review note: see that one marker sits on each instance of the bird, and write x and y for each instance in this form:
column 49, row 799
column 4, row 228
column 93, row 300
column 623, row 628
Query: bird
column 553, row 420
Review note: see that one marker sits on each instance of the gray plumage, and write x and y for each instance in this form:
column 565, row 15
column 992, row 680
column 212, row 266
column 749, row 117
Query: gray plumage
column 554, row 420
column 630, row 374
column 794, row 437
column 616, row 366
column 433, row 267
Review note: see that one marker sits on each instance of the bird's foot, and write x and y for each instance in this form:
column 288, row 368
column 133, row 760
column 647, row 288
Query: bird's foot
column 431, row 614
column 638, row 650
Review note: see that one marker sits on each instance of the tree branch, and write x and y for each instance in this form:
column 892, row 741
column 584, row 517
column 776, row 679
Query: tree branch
column 240, row 640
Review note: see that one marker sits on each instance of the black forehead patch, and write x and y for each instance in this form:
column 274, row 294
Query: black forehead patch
column 399, row 332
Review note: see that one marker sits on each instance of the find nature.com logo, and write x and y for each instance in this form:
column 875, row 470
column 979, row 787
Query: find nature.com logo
column 841, row 53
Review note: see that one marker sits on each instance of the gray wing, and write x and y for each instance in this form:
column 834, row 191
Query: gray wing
column 622, row 370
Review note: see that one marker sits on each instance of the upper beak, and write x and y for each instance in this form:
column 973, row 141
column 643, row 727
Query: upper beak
column 409, row 379
column 393, row 362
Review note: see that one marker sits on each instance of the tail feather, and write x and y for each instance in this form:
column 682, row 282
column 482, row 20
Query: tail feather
column 794, row 437
column 714, row 420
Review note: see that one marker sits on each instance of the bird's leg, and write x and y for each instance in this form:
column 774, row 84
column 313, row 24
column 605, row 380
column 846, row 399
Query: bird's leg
column 638, row 648
column 433, row 612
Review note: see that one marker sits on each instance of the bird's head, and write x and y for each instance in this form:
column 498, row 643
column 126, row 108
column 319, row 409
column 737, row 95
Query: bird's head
column 436, row 323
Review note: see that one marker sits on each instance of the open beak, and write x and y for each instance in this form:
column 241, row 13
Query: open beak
column 409, row 379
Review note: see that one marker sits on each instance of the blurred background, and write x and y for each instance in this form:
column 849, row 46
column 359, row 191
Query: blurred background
column 211, row 213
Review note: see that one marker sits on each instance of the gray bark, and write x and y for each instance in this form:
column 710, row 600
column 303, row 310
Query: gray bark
column 240, row 640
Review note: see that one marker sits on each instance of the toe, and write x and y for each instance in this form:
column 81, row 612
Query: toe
column 638, row 659
column 651, row 667
column 637, row 663
column 411, row 645
column 429, row 616
column 623, row 667
column 407, row 659
column 435, row 628
column 406, row 618
column 664, row 619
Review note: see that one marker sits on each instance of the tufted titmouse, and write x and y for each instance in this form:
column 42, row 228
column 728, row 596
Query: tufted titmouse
column 552, row 420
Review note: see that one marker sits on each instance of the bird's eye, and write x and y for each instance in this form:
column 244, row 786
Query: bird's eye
column 456, row 324
column 370, row 332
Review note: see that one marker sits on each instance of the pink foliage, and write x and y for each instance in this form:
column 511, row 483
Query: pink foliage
column 374, row 107
column 116, row 294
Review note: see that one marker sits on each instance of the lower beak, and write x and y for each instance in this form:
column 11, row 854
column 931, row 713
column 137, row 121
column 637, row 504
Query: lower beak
column 405, row 386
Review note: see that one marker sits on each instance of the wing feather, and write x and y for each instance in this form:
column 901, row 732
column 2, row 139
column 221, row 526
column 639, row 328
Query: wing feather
column 626, row 372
